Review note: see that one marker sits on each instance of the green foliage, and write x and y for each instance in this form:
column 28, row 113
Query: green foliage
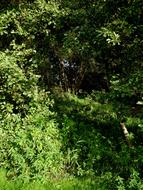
column 64, row 184
column 103, row 34
column 85, row 126
column 71, row 44
column 103, row 182
column 30, row 146
column 16, row 87
column 93, row 142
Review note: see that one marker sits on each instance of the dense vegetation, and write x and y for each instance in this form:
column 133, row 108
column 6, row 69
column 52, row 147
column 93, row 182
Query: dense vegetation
column 71, row 94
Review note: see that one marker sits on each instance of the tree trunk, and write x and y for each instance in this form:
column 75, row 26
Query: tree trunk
column 126, row 133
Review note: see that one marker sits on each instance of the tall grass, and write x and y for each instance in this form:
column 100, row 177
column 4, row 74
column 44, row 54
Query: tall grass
column 65, row 184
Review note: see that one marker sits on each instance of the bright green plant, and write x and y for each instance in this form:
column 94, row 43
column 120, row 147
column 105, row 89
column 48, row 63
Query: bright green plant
column 30, row 146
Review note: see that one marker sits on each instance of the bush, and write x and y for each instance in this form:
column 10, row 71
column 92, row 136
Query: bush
column 30, row 146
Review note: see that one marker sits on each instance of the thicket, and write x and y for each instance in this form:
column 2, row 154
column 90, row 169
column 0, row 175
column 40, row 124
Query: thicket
column 71, row 94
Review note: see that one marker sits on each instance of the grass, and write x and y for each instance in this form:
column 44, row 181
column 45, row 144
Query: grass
column 70, row 185
column 65, row 184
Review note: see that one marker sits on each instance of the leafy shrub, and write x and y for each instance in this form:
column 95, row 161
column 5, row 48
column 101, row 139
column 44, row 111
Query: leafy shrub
column 30, row 146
